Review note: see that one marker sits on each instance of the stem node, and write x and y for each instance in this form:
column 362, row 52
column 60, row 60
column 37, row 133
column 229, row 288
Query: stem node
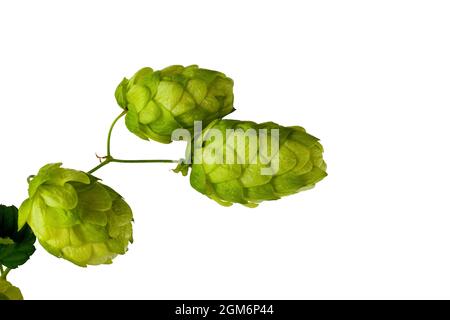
column 109, row 158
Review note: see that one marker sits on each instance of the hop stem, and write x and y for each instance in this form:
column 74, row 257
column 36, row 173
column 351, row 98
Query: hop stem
column 108, row 142
column 104, row 163
column 109, row 158
column 4, row 272
column 144, row 161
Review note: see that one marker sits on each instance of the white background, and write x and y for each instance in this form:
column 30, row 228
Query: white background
column 370, row 78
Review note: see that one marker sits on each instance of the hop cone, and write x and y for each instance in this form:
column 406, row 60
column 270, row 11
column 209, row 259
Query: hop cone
column 159, row 102
column 251, row 174
column 9, row 292
column 76, row 217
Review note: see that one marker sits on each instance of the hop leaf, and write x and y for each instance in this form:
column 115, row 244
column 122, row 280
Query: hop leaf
column 158, row 102
column 16, row 247
column 75, row 217
column 9, row 292
column 244, row 167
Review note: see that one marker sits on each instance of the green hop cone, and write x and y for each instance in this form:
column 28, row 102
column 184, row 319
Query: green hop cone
column 9, row 292
column 158, row 102
column 76, row 217
column 242, row 166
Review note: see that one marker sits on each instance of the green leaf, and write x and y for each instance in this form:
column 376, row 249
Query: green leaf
column 6, row 241
column 22, row 247
column 183, row 168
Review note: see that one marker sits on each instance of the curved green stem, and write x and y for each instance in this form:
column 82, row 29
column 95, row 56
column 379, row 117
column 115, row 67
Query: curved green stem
column 109, row 158
column 108, row 142
column 4, row 273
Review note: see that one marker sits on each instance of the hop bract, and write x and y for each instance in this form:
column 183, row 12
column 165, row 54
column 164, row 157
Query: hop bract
column 8, row 291
column 158, row 102
column 76, row 217
column 240, row 164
